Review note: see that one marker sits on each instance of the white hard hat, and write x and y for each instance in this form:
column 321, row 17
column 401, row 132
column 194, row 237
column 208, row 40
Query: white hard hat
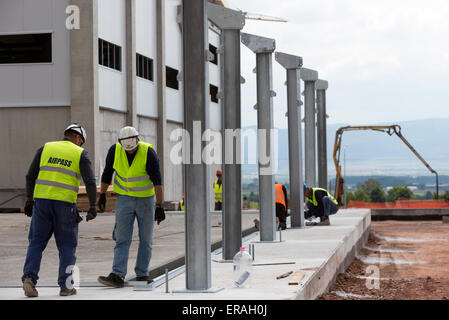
column 128, row 138
column 77, row 129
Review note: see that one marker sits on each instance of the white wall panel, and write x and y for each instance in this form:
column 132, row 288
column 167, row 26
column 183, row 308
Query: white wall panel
column 146, row 44
column 11, row 15
column 173, row 59
column 112, row 28
column 146, row 97
column 36, row 84
column 38, row 14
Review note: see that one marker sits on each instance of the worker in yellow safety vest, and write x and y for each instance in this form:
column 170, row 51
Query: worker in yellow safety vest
column 218, row 191
column 181, row 204
column 52, row 184
column 138, row 185
column 320, row 203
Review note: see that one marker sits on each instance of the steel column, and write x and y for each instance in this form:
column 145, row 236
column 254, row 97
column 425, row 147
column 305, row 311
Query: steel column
column 196, row 104
column 230, row 22
column 309, row 77
column 263, row 48
column 321, row 87
column 292, row 64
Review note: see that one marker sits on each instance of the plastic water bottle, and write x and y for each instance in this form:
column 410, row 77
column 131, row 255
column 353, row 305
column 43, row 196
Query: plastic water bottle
column 242, row 268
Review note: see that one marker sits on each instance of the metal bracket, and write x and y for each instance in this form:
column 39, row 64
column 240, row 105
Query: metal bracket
column 179, row 77
column 209, row 55
column 258, row 44
column 220, row 49
column 220, row 95
column 272, row 93
column 255, row 70
column 225, row 18
column 288, row 61
column 321, row 85
column 255, row 107
column 242, row 80
column 308, row 74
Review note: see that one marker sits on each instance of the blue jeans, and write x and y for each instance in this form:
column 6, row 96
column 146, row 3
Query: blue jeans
column 126, row 210
column 58, row 218
column 329, row 206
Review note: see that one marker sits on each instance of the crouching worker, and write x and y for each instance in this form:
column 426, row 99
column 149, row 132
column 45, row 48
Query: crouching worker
column 320, row 203
column 53, row 180
column 138, row 186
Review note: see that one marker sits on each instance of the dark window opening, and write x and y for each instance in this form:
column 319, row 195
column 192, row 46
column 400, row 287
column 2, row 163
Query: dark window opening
column 144, row 68
column 109, row 55
column 171, row 78
column 26, row 48
column 213, row 50
column 213, row 91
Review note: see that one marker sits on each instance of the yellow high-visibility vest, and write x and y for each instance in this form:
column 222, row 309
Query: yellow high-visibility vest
column 181, row 205
column 218, row 192
column 133, row 180
column 59, row 172
column 315, row 202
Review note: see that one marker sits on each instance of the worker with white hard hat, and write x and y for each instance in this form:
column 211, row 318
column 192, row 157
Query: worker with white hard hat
column 138, row 185
column 52, row 184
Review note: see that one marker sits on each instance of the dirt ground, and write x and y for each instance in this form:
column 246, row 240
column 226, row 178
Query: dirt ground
column 402, row 261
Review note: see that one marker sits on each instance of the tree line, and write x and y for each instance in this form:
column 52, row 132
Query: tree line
column 371, row 191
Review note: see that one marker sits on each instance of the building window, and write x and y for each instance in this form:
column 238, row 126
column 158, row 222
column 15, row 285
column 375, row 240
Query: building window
column 213, row 50
column 109, row 55
column 26, row 48
column 171, row 78
column 213, row 91
column 144, row 68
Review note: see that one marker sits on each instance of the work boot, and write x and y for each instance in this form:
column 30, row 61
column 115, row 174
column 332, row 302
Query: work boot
column 144, row 278
column 324, row 221
column 256, row 224
column 29, row 288
column 67, row 292
column 112, row 280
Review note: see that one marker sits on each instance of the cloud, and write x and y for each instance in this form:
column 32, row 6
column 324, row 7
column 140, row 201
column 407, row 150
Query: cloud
column 369, row 50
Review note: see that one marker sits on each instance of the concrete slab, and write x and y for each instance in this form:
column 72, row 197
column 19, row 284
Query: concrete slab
column 319, row 252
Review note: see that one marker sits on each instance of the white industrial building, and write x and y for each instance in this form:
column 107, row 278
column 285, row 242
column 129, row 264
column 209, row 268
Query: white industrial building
column 121, row 67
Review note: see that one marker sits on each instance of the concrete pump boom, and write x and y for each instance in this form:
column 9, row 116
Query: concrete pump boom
column 396, row 129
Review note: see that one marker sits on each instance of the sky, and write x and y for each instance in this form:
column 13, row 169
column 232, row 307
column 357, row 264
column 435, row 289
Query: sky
column 385, row 60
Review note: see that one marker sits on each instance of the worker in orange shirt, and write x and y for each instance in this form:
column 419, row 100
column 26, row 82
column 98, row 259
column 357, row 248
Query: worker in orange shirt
column 280, row 195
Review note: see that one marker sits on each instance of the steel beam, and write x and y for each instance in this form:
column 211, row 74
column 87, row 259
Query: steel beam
column 309, row 77
column 264, row 48
column 321, row 87
column 293, row 64
column 196, row 106
column 230, row 22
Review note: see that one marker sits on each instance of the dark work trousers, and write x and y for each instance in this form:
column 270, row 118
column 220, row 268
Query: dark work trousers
column 58, row 218
column 218, row 206
column 281, row 213
column 329, row 206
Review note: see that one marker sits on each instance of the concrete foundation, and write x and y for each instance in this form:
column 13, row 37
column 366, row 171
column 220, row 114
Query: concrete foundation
column 318, row 252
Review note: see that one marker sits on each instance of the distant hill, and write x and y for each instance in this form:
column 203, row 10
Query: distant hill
column 376, row 153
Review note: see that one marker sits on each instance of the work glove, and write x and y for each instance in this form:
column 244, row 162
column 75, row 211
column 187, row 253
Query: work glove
column 29, row 207
column 91, row 214
column 102, row 202
column 159, row 215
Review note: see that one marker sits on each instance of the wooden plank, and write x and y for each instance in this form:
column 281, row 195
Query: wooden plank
column 297, row 276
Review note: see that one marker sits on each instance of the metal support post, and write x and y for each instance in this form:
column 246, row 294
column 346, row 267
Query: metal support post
column 321, row 87
column 196, row 172
column 230, row 22
column 309, row 77
column 293, row 64
column 263, row 48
